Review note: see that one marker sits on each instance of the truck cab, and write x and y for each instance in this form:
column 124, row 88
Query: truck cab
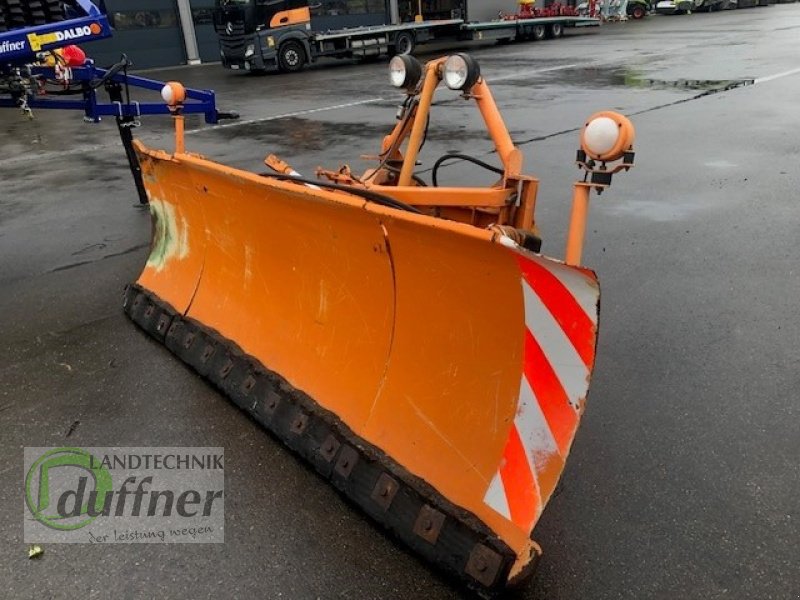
column 239, row 22
column 266, row 34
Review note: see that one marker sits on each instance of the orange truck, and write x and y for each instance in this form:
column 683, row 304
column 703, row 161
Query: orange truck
column 409, row 340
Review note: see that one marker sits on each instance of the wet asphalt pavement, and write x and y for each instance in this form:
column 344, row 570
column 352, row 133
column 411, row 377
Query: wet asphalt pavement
column 684, row 479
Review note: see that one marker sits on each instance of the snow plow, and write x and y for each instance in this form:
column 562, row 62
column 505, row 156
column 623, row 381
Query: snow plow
column 408, row 340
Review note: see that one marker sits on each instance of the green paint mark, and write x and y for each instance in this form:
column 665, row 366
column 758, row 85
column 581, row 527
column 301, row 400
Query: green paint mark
column 170, row 235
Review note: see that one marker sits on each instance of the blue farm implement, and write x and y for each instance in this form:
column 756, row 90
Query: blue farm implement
column 41, row 69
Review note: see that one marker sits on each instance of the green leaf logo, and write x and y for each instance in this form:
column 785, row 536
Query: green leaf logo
column 72, row 461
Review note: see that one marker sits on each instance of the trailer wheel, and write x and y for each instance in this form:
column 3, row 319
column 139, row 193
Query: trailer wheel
column 404, row 43
column 638, row 12
column 556, row 30
column 291, row 56
column 538, row 33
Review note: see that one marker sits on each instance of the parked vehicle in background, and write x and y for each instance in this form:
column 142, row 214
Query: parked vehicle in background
column 674, row 7
column 261, row 35
column 638, row 9
column 709, row 5
column 635, row 9
column 677, row 7
column 751, row 3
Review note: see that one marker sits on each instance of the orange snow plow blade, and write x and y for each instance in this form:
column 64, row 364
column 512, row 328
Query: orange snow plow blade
column 434, row 368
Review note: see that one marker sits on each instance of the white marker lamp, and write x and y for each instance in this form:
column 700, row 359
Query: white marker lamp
column 607, row 136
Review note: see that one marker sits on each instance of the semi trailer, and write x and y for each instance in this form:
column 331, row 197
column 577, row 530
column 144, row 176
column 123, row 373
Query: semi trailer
column 286, row 35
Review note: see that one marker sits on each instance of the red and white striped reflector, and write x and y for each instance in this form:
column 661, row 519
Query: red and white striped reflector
column 561, row 308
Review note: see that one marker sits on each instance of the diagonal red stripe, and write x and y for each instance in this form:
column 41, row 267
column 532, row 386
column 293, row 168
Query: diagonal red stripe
column 566, row 310
column 520, row 486
column 560, row 415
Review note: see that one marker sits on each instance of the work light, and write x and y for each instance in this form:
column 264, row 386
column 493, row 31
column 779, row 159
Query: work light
column 404, row 71
column 607, row 136
column 461, row 72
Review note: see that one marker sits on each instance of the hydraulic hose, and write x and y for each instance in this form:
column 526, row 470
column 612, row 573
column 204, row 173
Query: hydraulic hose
column 472, row 159
column 362, row 193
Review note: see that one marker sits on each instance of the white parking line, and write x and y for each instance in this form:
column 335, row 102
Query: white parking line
column 45, row 156
column 777, row 76
column 296, row 113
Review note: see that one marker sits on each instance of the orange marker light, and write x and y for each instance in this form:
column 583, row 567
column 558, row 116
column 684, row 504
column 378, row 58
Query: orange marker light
column 173, row 93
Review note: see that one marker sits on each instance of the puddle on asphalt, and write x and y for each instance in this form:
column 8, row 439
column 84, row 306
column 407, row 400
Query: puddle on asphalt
column 653, row 210
column 601, row 77
column 297, row 133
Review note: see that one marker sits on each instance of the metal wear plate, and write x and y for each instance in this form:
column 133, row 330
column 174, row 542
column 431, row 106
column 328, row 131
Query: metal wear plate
column 484, row 565
column 385, row 490
column 428, row 524
column 347, row 460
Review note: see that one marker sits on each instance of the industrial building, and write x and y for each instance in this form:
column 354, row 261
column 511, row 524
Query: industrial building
column 159, row 33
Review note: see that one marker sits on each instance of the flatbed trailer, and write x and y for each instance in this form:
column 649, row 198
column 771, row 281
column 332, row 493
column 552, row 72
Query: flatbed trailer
column 285, row 35
column 534, row 29
column 290, row 48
